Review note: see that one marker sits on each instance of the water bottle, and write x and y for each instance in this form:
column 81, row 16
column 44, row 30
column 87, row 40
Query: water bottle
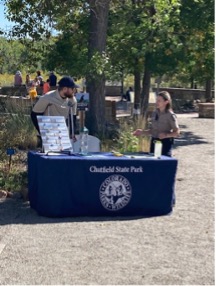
column 84, row 141
column 157, row 149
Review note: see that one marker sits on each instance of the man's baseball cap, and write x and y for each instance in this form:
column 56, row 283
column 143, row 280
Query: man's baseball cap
column 67, row 81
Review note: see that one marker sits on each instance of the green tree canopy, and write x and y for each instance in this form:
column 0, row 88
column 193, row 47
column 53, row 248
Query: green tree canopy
column 145, row 38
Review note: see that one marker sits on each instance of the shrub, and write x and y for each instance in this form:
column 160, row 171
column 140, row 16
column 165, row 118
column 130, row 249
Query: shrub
column 17, row 131
column 124, row 140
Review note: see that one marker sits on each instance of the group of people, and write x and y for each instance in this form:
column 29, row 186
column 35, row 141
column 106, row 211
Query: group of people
column 164, row 125
column 37, row 81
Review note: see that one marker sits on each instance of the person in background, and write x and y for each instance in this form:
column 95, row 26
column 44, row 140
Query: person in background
column 18, row 79
column 164, row 126
column 39, row 79
column 128, row 95
column 28, row 83
column 56, row 102
column 28, row 80
column 53, row 79
column 46, row 86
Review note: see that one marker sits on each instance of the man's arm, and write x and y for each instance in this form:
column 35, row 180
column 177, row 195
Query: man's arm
column 39, row 109
column 34, row 120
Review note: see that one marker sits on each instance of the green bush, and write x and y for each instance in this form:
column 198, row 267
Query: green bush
column 14, row 180
column 124, row 140
column 127, row 142
column 16, row 131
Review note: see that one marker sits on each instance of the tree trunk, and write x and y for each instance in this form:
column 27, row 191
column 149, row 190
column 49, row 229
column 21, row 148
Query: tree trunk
column 95, row 117
column 122, row 83
column 137, row 88
column 191, row 82
column 208, row 91
column 145, row 86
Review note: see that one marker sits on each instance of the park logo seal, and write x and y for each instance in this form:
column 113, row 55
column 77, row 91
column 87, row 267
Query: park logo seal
column 115, row 192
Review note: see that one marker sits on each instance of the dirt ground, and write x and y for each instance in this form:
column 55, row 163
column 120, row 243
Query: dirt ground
column 177, row 249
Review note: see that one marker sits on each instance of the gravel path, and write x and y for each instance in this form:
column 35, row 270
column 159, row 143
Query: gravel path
column 169, row 250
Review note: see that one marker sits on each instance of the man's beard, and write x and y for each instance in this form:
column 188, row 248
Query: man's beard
column 67, row 95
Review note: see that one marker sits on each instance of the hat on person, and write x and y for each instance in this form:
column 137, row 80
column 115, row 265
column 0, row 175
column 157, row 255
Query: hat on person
column 67, row 81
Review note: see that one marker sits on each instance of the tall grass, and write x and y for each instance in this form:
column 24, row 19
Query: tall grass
column 16, row 130
column 6, row 79
column 125, row 141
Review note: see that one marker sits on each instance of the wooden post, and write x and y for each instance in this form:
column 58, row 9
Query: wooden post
column 82, row 119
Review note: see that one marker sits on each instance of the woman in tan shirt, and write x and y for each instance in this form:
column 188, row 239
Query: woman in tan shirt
column 164, row 124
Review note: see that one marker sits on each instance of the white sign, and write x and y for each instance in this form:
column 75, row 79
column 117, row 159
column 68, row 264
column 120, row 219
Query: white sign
column 54, row 133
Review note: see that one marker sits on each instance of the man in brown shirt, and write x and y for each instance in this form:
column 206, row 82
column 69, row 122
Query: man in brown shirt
column 57, row 102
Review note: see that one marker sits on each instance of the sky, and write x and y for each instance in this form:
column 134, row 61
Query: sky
column 4, row 23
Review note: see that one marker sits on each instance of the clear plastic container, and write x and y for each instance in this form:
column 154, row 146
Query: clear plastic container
column 84, row 141
column 157, row 149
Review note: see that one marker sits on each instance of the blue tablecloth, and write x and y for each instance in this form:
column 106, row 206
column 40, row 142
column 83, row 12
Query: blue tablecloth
column 100, row 184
